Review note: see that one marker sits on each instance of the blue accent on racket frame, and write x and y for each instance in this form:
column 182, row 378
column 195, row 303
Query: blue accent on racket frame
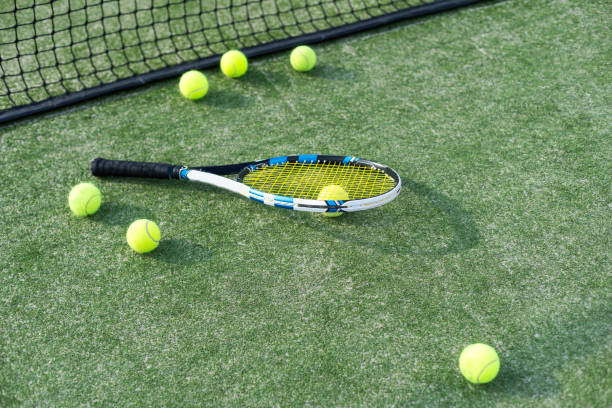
column 289, row 207
column 255, row 192
column 333, row 206
column 349, row 159
column 183, row 174
column 257, row 199
column 278, row 160
column 307, row 158
column 283, row 198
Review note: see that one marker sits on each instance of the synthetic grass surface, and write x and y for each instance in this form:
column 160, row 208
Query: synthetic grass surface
column 498, row 120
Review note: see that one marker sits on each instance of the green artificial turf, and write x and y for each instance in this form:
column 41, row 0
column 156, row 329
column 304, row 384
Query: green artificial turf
column 497, row 117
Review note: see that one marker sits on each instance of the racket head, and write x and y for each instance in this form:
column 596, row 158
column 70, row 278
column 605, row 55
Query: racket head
column 296, row 182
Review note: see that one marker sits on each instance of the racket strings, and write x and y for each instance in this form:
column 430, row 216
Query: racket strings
column 306, row 180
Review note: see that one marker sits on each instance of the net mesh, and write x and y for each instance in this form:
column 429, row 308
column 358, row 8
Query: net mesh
column 51, row 48
column 320, row 181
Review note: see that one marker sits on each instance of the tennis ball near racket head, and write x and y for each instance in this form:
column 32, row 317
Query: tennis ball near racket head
column 193, row 85
column 84, row 199
column 479, row 363
column 303, row 58
column 234, row 64
column 333, row 192
column 143, row 236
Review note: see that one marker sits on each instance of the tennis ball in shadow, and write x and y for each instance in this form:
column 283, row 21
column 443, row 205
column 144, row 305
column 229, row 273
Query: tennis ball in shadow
column 333, row 192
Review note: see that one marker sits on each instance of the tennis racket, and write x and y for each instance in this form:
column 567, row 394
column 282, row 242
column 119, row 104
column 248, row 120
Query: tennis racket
column 291, row 182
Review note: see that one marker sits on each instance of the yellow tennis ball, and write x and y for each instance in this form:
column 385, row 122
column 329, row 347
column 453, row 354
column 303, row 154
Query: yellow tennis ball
column 84, row 199
column 143, row 236
column 479, row 363
column 234, row 64
column 303, row 58
column 333, row 192
column 193, row 85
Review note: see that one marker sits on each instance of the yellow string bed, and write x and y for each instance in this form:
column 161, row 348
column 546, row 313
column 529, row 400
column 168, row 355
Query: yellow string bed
column 306, row 180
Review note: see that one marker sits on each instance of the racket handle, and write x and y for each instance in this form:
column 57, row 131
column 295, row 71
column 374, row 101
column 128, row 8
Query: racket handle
column 120, row 168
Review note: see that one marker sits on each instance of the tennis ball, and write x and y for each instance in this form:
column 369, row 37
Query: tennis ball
column 333, row 192
column 479, row 363
column 143, row 236
column 193, row 85
column 234, row 64
column 84, row 199
column 303, row 58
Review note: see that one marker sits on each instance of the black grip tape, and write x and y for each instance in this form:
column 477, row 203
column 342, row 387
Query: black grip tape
column 119, row 168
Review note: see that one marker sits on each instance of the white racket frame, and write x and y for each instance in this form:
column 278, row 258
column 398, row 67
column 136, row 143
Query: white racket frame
column 297, row 204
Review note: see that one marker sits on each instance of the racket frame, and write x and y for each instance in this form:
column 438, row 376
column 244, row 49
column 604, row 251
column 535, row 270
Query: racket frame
column 297, row 204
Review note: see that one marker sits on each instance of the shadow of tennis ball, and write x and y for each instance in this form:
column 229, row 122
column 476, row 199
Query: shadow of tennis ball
column 226, row 99
column 181, row 252
column 264, row 78
column 334, row 73
column 118, row 214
